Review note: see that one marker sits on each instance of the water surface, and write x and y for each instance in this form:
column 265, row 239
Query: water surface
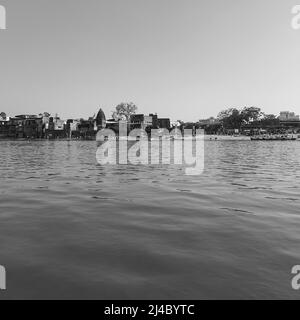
column 70, row 228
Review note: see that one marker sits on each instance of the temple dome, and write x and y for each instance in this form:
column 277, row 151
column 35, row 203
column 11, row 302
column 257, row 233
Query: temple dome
column 100, row 118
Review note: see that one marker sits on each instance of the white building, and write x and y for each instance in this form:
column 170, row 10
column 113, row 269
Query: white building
column 288, row 116
column 59, row 124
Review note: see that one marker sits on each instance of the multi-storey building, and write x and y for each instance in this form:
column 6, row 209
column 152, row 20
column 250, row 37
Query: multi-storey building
column 288, row 116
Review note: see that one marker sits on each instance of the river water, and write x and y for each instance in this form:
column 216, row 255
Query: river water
column 71, row 228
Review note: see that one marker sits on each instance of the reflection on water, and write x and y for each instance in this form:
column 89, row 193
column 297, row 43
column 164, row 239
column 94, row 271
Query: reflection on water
column 70, row 228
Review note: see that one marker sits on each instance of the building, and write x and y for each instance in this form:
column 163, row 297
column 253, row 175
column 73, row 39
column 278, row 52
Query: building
column 86, row 129
column 25, row 126
column 154, row 120
column 289, row 121
column 100, row 120
column 137, row 121
column 288, row 116
column 164, row 123
column 73, row 125
column 59, row 125
column 141, row 121
column 113, row 125
column 4, row 126
column 44, row 126
column 55, row 128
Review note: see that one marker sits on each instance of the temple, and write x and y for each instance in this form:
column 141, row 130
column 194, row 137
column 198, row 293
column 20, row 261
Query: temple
column 100, row 120
column 43, row 126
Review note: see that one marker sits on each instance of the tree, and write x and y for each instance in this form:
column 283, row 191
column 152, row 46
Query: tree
column 230, row 118
column 269, row 120
column 233, row 118
column 269, row 117
column 124, row 110
column 3, row 115
column 45, row 114
column 249, row 114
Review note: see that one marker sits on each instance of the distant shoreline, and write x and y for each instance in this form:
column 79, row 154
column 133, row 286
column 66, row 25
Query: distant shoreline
column 207, row 137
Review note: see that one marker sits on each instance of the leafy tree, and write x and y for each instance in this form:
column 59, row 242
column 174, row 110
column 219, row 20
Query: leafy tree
column 269, row 120
column 45, row 114
column 269, row 117
column 124, row 111
column 213, row 128
column 3, row 115
column 233, row 118
column 249, row 114
column 230, row 118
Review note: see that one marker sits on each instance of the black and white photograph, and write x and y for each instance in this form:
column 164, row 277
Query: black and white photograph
column 149, row 151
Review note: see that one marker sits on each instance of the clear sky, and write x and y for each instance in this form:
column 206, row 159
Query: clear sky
column 184, row 59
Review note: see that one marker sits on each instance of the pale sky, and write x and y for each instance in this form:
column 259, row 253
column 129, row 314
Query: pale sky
column 184, row 59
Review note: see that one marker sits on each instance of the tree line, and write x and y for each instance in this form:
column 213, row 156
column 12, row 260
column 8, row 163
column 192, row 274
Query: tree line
column 233, row 118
